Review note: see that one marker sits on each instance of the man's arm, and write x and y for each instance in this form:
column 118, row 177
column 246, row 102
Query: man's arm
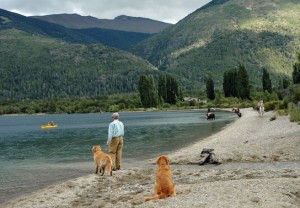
column 110, row 133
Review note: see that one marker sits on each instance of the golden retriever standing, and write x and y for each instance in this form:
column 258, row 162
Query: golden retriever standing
column 102, row 160
column 164, row 186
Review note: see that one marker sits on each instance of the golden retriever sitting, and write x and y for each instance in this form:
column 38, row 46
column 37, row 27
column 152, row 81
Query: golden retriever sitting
column 164, row 186
column 102, row 160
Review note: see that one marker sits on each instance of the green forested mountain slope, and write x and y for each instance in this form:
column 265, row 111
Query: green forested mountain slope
column 36, row 67
column 224, row 34
column 10, row 20
column 114, row 38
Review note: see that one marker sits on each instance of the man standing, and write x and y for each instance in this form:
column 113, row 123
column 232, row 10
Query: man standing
column 115, row 141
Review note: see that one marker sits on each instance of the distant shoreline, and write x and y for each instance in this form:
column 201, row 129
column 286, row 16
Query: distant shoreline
column 148, row 110
column 24, row 114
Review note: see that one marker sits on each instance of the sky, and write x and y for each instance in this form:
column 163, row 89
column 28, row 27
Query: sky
column 163, row 10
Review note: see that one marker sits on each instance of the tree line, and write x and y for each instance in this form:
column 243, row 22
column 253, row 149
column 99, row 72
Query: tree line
column 164, row 92
column 167, row 90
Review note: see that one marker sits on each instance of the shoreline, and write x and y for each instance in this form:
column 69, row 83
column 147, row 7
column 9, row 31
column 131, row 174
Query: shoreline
column 242, row 180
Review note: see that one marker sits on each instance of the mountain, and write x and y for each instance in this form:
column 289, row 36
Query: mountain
column 39, row 59
column 225, row 33
column 114, row 38
column 34, row 65
column 10, row 20
column 123, row 23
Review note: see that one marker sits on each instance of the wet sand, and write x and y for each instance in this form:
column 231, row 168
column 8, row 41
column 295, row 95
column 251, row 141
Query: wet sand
column 260, row 168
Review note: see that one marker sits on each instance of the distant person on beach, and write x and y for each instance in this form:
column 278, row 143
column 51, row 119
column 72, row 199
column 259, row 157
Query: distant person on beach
column 210, row 115
column 260, row 107
column 115, row 141
column 259, row 103
column 209, row 112
column 237, row 111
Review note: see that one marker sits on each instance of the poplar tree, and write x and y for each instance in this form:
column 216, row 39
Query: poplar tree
column 162, row 87
column 296, row 72
column 210, row 91
column 266, row 81
column 285, row 83
column 172, row 89
column 168, row 88
column 243, row 87
column 226, row 84
column 230, row 83
column 143, row 90
column 147, row 92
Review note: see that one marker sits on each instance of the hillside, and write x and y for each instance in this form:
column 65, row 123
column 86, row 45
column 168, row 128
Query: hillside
column 114, row 38
column 37, row 67
column 10, row 20
column 118, row 39
column 225, row 33
column 122, row 22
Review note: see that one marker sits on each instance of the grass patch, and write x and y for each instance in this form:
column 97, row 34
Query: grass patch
column 295, row 115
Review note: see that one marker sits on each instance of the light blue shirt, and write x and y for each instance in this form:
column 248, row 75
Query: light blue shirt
column 115, row 129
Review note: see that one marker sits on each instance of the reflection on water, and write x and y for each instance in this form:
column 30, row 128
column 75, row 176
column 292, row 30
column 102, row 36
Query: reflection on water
column 30, row 154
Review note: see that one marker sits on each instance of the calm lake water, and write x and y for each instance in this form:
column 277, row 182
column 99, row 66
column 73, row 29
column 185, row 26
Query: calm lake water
column 32, row 158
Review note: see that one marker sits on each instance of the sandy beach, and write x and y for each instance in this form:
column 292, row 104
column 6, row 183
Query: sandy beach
column 260, row 167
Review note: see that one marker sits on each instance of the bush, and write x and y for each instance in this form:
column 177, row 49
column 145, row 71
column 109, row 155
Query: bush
column 295, row 115
column 192, row 103
column 296, row 97
column 282, row 112
column 166, row 105
column 248, row 104
column 225, row 105
column 113, row 108
column 122, row 106
column 210, row 105
column 131, row 106
column 283, row 104
column 272, row 105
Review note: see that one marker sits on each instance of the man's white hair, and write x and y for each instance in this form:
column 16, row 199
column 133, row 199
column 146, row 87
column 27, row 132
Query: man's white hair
column 115, row 116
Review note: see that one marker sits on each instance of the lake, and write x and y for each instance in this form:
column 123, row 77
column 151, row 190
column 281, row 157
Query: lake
column 32, row 158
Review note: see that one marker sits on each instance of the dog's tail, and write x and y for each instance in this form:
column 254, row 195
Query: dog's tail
column 109, row 165
column 162, row 196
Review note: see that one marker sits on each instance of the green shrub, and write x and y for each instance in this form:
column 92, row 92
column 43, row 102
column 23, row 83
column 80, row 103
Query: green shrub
column 122, row 106
column 113, row 108
column 225, row 105
column 245, row 104
column 272, row 105
column 283, row 104
column 295, row 115
column 210, row 105
column 192, row 103
column 296, row 97
column 131, row 106
column 166, row 105
column 282, row 112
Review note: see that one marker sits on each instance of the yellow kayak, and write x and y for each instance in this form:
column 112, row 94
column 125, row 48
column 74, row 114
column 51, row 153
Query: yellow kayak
column 49, row 126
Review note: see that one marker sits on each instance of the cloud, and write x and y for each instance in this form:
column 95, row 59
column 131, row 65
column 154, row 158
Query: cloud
column 162, row 10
